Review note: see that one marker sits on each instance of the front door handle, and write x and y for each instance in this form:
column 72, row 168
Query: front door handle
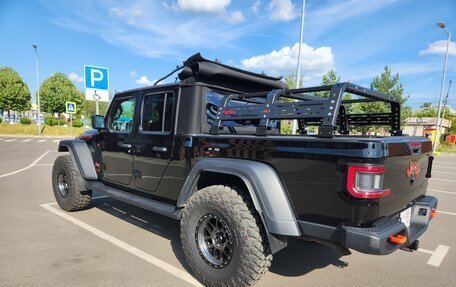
column 159, row 149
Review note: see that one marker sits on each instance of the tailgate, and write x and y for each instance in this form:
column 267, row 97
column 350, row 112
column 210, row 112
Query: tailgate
column 406, row 167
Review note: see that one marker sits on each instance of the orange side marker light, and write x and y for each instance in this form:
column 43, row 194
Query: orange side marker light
column 433, row 213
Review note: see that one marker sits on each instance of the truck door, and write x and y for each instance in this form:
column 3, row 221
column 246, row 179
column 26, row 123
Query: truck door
column 154, row 141
column 117, row 142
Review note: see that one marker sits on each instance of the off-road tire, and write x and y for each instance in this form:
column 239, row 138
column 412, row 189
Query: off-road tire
column 72, row 198
column 251, row 255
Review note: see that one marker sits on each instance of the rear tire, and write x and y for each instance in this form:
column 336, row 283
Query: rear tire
column 223, row 238
column 65, row 179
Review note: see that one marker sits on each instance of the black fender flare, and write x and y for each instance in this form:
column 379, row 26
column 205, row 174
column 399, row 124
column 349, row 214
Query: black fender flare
column 81, row 155
column 264, row 185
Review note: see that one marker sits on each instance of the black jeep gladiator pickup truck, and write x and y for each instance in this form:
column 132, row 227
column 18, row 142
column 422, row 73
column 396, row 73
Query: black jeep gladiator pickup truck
column 208, row 151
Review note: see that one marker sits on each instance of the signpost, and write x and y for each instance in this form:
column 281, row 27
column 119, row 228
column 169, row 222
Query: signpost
column 96, row 81
column 70, row 108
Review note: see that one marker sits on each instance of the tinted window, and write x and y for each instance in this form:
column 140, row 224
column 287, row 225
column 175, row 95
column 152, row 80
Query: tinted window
column 121, row 116
column 157, row 112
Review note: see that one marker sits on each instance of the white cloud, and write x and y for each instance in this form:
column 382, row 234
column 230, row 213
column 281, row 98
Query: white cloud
column 144, row 81
column 314, row 61
column 255, row 6
column 133, row 74
column 439, row 48
column 236, row 17
column 282, row 10
column 131, row 15
column 75, row 78
column 202, row 6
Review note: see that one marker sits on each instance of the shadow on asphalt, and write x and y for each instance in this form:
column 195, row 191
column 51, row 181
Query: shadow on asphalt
column 301, row 257
column 297, row 259
column 158, row 224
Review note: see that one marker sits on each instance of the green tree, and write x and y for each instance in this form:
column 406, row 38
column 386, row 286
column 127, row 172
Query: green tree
column 330, row 78
column 56, row 90
column 387, row 84
column 14, row 93
column 90, row 108
column 290, row 80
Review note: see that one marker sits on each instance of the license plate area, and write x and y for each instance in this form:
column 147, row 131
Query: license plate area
column 406, row 217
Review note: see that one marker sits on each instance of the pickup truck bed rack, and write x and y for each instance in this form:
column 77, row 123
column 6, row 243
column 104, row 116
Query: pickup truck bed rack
column 329, row 113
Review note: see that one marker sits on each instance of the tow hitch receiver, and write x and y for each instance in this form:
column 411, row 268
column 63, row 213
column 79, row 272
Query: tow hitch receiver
column 412, row 247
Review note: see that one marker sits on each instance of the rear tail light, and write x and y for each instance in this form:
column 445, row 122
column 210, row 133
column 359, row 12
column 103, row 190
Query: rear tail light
column 366, row 181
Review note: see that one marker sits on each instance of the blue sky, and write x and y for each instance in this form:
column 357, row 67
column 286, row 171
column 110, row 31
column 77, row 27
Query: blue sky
column 139, row 41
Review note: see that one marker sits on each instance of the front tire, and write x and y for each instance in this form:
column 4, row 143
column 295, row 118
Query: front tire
column 65, row 178
column 223, row 239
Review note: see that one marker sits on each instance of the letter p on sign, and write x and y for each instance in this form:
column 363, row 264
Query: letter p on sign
column 96, row 78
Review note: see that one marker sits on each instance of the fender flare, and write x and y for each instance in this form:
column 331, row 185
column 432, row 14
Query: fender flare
column 81, row 155
column 264, row 186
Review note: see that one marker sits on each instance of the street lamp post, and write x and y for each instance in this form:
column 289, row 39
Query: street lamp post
column 444, row 105
column 298, row 69
column 35, row 46
column 437, row 127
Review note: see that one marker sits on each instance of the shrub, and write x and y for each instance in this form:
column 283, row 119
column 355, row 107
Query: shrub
column 62, row 122
column 1, row 120
column 25, row 121
column 47, row 120
column 77, row 123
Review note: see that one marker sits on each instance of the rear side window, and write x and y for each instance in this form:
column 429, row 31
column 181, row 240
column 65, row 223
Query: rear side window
column 121, row 115
column 157, row 112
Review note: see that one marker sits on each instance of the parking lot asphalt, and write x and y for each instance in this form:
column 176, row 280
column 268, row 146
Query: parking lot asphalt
column 116, row 244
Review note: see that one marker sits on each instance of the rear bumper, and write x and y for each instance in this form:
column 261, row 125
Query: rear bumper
column 375, row 239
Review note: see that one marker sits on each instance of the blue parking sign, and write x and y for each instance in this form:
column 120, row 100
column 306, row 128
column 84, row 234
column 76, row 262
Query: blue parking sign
column 96, row 77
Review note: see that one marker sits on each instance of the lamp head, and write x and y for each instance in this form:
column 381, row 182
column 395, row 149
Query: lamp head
column 441, row 25
column 34, row 46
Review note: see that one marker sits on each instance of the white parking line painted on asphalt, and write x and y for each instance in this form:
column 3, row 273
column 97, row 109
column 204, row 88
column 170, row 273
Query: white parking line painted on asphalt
column 437, row 256
column 448, row 172
column 56, row 141
column 24, row 141
column 27, row 167
column 10, row 140
column 446, row 212
column 441, row 191
column 449, row 180
column 44, row 164
column 41, row 141
column 125, row 246
column 446, row 166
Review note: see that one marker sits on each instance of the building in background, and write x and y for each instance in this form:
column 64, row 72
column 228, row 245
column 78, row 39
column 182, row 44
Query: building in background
column 424, row 127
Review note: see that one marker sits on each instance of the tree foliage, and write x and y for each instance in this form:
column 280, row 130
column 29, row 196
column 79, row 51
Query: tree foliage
column 56, row 91
column 90, row 108
column 290, row 80
column 14, row 93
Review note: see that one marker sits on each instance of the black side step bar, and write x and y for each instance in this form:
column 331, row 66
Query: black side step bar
column 139, row 201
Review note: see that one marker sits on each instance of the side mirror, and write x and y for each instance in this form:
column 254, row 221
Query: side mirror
column 98, row 122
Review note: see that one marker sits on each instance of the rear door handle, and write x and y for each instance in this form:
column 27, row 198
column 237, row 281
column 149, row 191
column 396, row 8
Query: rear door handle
column 159, row 149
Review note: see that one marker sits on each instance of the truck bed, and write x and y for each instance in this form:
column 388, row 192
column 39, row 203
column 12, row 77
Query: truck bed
column 313, row 171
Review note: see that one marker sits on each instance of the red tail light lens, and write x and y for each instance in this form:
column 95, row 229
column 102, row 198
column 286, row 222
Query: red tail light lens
column 366, row 181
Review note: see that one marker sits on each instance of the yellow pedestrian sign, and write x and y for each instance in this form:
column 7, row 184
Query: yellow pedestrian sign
column 70, row 107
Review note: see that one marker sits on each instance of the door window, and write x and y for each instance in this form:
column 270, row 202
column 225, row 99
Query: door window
column 157, row 112
column 121, row 116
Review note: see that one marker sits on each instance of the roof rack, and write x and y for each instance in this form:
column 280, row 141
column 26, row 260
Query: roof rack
column 328, row 113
